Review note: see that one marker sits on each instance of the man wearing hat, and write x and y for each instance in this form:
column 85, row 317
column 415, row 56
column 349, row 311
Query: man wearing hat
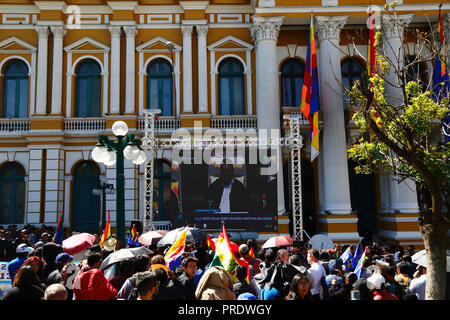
column 252, row 262
column 22, row 252
column 377, row 284
column 61, row 260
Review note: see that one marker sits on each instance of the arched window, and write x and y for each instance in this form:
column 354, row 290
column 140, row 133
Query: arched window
column 15, row 90
column 88, row 89
column 12, row 193
column 292, row 72
column 231, row 87
column 160, row 86
column 351, row 71
column 85, row 205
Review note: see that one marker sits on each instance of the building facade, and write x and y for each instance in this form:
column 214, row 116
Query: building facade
column 70, row 69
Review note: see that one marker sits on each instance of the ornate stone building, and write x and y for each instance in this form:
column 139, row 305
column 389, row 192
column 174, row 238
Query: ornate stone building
column 69, row 69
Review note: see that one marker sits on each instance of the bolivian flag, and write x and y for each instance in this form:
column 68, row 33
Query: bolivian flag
column 210, row 243
column 224, row 257
column 107, row 232
column 173, row 256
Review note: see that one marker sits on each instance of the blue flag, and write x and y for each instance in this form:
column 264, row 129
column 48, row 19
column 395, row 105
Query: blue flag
column 133, row 238
column 358, row 251
column 359, row 266
column 58, row 238
column 347, row 259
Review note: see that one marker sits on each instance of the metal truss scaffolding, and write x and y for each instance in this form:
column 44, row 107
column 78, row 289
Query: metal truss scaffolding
column 294, row 142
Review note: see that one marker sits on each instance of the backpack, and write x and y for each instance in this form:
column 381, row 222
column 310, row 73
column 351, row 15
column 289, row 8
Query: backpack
column 134, row 293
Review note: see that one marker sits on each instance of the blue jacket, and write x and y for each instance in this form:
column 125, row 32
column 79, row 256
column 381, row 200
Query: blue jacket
column 14, row 266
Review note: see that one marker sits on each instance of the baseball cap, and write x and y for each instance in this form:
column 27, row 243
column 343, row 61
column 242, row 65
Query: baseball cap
column 375, row 281
column 63, row 257
column 23, row 248
column 246, row 296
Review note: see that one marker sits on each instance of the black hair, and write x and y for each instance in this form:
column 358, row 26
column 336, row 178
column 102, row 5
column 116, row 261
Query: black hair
column 93, row 258
column 295, row 260
column 141, row 263
column 126, row 267
column 185, row 261
column 294, row 287
column 162, row 276
column 145, row 281
column 403, row 267
column 324, row 255
column 241, row 272
column 391, row 271
column 351, row 277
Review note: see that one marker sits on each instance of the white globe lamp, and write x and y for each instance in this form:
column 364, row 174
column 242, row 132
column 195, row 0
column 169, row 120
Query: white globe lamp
column 120, row 128
column 131, row 152
column 99, row 153
column 140, row 158
column 111, row 158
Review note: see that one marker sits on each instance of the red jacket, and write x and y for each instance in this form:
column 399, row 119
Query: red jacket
column 383, row 295
column 91, row 284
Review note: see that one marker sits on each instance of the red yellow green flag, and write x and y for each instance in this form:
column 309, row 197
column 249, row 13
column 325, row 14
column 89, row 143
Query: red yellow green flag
column 107, row 232
column 210, row 243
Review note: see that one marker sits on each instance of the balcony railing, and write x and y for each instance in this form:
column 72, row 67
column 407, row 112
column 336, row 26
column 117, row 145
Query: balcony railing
column 84, row 126
column 234, row 122
column 162, row 124
column 14, row 126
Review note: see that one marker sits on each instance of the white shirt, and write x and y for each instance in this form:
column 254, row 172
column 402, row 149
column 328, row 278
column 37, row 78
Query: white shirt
column 225, row 201
column 417, row 286
column 315, row 273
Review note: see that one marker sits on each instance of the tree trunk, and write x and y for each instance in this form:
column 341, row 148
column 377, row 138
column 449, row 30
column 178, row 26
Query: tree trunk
column 435, row 241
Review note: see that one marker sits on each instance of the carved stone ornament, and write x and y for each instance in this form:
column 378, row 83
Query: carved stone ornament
column 130, row 31
column 328, row 27
column 202, row 30
column 42, row 32
column 115, row 31
column 187, row 31
column 394, row 25
column 266, row 28
column 58, row 32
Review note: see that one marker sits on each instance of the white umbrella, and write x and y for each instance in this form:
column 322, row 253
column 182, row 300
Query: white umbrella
column 152, row 237
column 123, row 254
column 192, row 235
column 420, row 258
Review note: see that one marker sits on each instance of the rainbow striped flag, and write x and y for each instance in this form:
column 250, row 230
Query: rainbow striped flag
column 360, row 264
column 224, row 257
column 58, row 238
column 133, row 238
column 107, row 232
column 173, row 256
column 310, row 93
column 251, row 252
column 441, row 83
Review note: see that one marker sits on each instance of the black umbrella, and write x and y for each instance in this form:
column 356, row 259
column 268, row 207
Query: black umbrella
column 192, row 235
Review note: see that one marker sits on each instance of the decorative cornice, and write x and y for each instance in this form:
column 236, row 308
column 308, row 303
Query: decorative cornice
column 326, row 27
column 42, row 32
column 266, row 28
column 130, row 31
column 123, row 5
column 58, row 32
column 194, row 5
column 393, row 25
column 202, row 30
column 187, row 30
column 115, row 31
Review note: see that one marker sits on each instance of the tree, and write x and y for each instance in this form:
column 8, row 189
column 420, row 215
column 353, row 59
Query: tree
column 401, row 136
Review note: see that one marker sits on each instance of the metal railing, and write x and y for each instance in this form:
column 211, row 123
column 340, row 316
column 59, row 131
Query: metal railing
column 162, row 124
column 83, row 126
column 234, row 122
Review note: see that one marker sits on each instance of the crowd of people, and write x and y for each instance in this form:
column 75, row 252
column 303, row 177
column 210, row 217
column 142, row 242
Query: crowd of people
column 39, row 271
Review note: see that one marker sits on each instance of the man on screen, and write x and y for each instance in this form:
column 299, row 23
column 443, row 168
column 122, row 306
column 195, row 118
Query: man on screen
column 227, row 193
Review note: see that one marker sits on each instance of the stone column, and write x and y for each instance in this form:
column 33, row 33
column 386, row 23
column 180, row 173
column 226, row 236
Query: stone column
column 58, row 35
column 264, row 32
column 115, row 69
column 403, row 196
column 130, row 32
column 202, row 31
column 187, row 68
column 41, row 88
column 336, row 193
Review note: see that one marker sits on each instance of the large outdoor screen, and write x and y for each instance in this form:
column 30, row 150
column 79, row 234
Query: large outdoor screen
column 235, row 189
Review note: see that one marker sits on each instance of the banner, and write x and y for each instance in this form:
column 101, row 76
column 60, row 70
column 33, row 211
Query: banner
column 5, row 280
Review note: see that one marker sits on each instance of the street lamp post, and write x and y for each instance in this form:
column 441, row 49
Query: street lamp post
column 109, row 152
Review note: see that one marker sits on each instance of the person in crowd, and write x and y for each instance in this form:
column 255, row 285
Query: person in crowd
column 377, row 284
column 343, row 292
column 337, row 275
column 315, row 273
column 50, row 251
column 141, row 264
column 417, row 285
column 45, row 238
column 295, row 261
column 241, row 286
column 22, row 252
column 324, row 259
column 189, row 267
column 7, row 246
column 215, row 284
column 26, row 286
column 126, row 270
column 55, row 291
column 37, row 264
column 361, row 290
column 146, row 285
column 393, row 286
column 61, row 260
column 299, row 289
column 91, row 284
column 252, row 261
column 402, row 276
column 168, row 288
